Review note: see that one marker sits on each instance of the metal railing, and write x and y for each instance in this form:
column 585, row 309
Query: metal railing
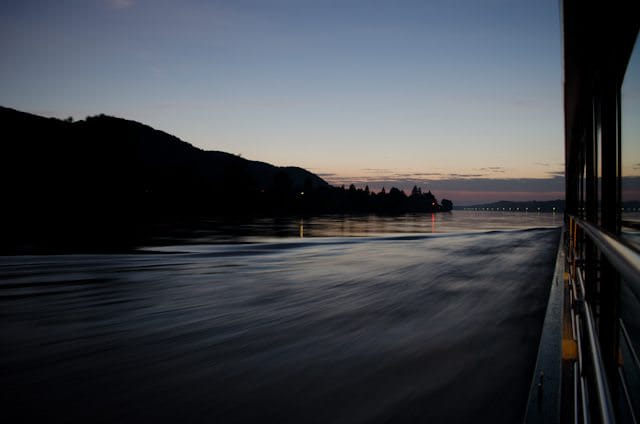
column 623, row 258
column 590, row 371
column 592, row 396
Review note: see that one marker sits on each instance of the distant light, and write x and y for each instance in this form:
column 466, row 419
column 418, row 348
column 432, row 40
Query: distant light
column 302, row 193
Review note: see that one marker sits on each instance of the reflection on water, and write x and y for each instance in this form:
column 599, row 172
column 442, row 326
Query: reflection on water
column 402, row 328
column 261, row 229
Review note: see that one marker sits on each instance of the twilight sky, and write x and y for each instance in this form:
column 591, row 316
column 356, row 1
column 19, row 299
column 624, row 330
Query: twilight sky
column 461, row 96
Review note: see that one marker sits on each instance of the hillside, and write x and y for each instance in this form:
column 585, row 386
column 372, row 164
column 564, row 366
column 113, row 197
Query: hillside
column 103, row 180
column 103, row 146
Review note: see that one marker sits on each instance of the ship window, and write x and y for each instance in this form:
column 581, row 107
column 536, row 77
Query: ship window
column 630, row 141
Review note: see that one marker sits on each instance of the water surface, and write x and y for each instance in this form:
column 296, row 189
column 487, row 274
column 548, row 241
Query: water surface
column 391, row 328
column 206, row 231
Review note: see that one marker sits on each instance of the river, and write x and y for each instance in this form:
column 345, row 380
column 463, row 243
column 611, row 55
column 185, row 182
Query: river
column 430, row 318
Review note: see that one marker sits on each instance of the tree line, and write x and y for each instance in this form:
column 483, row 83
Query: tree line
column 310, row 199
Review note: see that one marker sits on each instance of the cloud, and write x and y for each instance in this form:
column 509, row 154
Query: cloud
column 377, row 170
column 466, row 175
column 120, row 4
column 466, row 188
column 492, row 169
column 636, row 166
column 157, row 70
column 541, row 163
column 506, row 185
column 418, row 175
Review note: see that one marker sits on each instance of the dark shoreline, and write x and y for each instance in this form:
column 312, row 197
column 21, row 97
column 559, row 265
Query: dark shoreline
column 129, row 237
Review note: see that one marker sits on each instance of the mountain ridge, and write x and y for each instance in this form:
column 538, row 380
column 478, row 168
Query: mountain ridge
column 107, row 178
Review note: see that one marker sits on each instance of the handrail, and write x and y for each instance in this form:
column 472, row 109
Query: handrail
column 625, row 392
column 589, row 351
column 623, row 258
column 595, row 356
column 604, row 397
column 627, row 339
column 592, row 400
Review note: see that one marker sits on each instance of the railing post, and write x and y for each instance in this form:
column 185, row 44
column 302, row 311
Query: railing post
column 608, row 321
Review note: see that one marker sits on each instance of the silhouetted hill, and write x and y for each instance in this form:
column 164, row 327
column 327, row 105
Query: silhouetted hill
column 156, row 152
column 106, row 175
column 139, row 142
column 104, row 179
column 127, row 155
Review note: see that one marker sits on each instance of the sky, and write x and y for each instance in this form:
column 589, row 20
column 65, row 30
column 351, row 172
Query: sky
column 462, row 97
column 630, row 128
